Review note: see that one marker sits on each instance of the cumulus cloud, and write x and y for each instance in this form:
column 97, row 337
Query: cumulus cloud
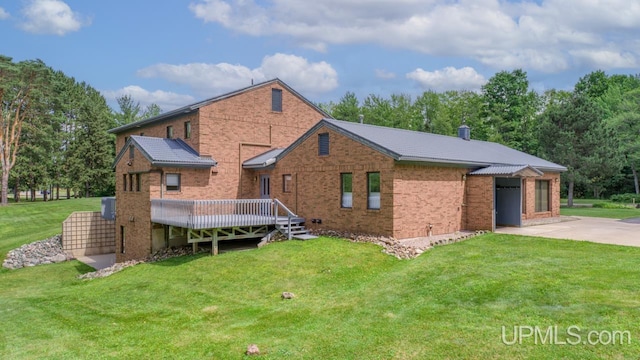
column 3, row 14
column 383, row 74
column 209, row 79
column 548, row 36
column 448, row 78
column 51, row 17
column 166, row 100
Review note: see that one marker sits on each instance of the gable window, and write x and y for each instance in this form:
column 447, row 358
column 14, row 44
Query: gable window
column 187, row 129
column 173, row 182
column 346, row 185
column 276, row 100
column 373, row 190
column 542, row 195
column 131, row 151
column 169, row 132
column 137, row 182
column 286, row 183
column 323, row 144
column 124, row 182
column 130, row 182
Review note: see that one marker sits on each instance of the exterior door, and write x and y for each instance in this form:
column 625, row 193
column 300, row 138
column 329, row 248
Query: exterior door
column 265, row 193
column 508, row 206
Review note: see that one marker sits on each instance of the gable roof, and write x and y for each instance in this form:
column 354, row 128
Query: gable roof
column 263, row 160
column 415, row 146
column 195, row 106
column 508, row 170
column 166, row 152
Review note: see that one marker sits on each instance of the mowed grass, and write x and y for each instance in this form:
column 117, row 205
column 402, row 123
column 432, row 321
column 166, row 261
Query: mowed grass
column 352, row 302
column 600, row 212
column 25, row 222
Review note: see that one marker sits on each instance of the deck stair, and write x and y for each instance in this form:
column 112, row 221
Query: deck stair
column 296, row 230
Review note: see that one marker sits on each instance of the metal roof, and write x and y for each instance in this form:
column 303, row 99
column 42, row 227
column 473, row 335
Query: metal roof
column 509, row 170
column 166, row 152
column 415, row 146
column 195, row 106
column 263, row 160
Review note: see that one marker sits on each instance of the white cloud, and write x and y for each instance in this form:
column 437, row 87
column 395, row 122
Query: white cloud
column 548, row 36
column 448, row 78
column 211, row 79
column 166, row 100
column 605, row 58
column 51, row 17
column 383, row 74
column 3, row 14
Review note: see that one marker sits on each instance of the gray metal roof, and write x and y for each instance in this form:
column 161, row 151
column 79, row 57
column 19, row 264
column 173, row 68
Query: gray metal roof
column 509, row 170
column 195, row 106
column 415, row 146
column 166, row 152
column 263, row 160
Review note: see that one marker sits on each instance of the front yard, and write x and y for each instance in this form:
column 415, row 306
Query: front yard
column 351, row 302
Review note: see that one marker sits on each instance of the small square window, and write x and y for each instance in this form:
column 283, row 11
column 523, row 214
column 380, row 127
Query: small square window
column 323, row 144
column 173, row 182
column 286, row 183
column 276, row 100
column 169, row 132
column 187, row 129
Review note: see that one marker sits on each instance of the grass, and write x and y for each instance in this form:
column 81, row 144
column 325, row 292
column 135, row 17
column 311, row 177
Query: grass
column 352, row 302
column 600, row 212
column 585, row 201
column 25, row 222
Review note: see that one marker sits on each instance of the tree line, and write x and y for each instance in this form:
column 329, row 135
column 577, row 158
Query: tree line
column 593, row 130
column 53, row 132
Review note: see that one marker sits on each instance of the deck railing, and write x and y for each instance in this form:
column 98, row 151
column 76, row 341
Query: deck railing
column 207, row 214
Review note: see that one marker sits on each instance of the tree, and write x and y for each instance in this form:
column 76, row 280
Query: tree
column 347, row 109
column 572, row 133
column 626, row 127
column 151, row 111
column 509, row 110
column 129, row 110
column 18, row 84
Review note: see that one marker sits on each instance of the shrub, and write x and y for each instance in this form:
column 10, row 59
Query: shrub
column 609, row 205
column 627, row 198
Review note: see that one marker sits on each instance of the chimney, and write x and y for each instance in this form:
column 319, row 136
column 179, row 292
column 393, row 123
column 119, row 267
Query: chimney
column 361, row 118
column 464, row 132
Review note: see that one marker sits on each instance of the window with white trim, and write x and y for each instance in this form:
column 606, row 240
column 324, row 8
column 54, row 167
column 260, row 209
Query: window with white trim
column 173, row 182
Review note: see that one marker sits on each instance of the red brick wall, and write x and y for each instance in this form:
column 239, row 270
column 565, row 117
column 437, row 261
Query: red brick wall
column 479, row 203
column 160, row 130
column 530, row 196
column 316, row 192
column 426, row 195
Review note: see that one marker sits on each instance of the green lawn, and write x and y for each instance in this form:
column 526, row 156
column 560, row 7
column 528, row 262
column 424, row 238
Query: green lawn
column 25, row 222
column 585, row 201
column 599, row 212
column 352, row 302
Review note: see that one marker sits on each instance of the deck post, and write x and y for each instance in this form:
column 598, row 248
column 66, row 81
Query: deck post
column 214, row 243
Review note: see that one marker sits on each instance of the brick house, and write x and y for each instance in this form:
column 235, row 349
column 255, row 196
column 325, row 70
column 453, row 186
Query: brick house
column 399, row 183
column 264, row 159
column 196, row 152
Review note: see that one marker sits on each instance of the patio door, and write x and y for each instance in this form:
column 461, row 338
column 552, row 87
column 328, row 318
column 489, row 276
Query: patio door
column 265, row 193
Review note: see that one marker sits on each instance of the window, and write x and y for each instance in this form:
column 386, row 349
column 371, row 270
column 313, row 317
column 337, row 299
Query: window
column 122, row 241
column 141, row 134
column 286, row 183
column 124, row 182
column 542, row 195
column 373, row 190
column 276, row 100
column 169, row 132
column 173, row 182
column 130, row 182
column 346, row 185
column 137, row 182
column 187, row 129
column 323, row 144
column 126, row 138
column 131, row 151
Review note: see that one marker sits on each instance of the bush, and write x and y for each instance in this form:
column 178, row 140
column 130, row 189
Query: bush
column 627, row 198
column 608, row 205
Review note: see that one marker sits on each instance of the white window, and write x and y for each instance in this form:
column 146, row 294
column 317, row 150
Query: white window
column 173, row 182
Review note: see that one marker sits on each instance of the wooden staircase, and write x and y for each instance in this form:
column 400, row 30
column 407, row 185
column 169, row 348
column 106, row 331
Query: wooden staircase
column 297, row 230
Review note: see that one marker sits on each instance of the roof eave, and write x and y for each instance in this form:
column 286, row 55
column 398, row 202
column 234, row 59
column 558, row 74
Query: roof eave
column 181, row 165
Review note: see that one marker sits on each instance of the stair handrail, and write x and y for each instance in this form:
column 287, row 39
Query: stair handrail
column 277, row 203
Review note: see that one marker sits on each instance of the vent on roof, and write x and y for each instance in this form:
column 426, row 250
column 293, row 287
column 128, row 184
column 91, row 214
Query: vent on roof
column 464, row 132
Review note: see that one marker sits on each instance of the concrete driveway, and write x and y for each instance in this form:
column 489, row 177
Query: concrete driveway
column 600, row 230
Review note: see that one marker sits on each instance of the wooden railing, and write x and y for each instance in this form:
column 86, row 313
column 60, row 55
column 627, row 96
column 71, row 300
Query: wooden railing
column 207, row 214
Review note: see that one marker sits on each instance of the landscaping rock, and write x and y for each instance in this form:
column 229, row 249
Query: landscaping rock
column 288, row 295
column 37, row 253
column 252, row 350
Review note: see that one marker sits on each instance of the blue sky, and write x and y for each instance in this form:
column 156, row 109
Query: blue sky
column 176, row 52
